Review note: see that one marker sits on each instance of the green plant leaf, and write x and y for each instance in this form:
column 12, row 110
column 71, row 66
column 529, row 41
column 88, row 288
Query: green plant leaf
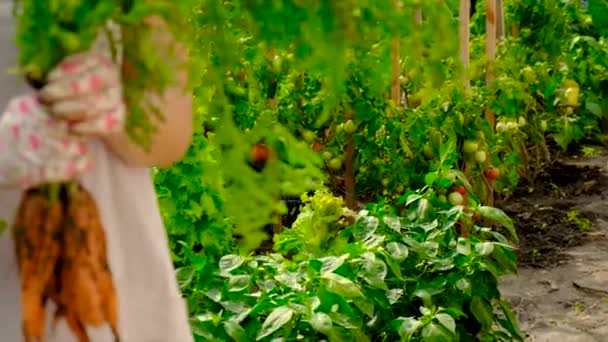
column 339, row 334
column 184, row 276
column 407, row 327
column 374, row 270
column 463, row 246
column 464, row 285
column 230, row 262
column 484, row 248
column 277, row 319
column 201, row 329
column 430, row 178
column 594, row 109
column 342, row 286
column 513, row 324
column 498, row 216
column 346, row 321
column 394, row 295
column 505, row 257
column 238, row 283
column 290, row 279
column 365, row 305
column 444, row 183
column 447, row 148
column 431, row 248
column 214, row 294
column 447, row 321
column 482, row 312
column 235, row 331
column 412, row 198
column 393, row 222
column 321, row 322
column 434, row 333
column 397, row 251
column 423, row 209
column 426, row 293
column 236, row 307
column 365, row 227
column 332, row 263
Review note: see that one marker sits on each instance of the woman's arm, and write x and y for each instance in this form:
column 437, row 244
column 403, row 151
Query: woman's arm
column 172, row 136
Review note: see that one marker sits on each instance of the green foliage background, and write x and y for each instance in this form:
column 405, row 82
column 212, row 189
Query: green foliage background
column 285, row 73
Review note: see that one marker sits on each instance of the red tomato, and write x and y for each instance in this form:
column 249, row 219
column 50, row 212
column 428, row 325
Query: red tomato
column 492, row 174
column 260, row 153
column 460, row 189
column 316, row 147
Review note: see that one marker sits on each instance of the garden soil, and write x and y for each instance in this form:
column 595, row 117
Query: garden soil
column 561, row 291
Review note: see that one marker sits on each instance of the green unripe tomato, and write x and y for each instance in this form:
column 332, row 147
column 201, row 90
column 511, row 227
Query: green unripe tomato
column 335, row 164
column 501, row 127
column 455, row 198
column 469, row 147
column 480, row 157
column 327, row 155
column 571, row 96
column 511, row 126
column 529, row 74
column 428, row 151
column 350, row 127
column 309, row 136
column 522, row 122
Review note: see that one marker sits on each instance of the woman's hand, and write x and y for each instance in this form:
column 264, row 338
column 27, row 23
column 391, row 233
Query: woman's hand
column 36, row 149
column 86, row 91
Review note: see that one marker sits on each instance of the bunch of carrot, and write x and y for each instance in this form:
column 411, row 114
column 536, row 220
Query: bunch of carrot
column 61, row 253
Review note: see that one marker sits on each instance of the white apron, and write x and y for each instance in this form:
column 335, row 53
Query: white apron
column 150, row 306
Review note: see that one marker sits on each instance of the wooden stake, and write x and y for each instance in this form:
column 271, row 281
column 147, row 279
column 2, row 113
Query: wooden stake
column 395, row 84
column 465, row 9
column 491, row 38
column 500, row 20
column 490, row 52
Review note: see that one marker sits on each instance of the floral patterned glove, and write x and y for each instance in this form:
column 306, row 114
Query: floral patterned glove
column 86, row 90
column 36, row 149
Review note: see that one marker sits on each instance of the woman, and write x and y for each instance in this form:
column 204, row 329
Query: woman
column 87, row 139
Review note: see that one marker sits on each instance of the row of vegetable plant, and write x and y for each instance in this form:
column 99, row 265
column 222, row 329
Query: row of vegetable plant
column 298, row 96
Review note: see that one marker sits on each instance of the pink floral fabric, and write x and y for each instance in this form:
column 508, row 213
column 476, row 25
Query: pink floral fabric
column 36, row 148
column 86, row 90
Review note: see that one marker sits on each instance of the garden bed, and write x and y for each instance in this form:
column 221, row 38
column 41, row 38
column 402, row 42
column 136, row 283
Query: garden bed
column 545, row 213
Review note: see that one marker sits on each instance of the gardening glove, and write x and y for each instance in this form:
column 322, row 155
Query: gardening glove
column 36, row 149
column 86, row 90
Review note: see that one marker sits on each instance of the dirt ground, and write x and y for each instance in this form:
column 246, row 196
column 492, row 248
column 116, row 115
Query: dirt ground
column 561, row 291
